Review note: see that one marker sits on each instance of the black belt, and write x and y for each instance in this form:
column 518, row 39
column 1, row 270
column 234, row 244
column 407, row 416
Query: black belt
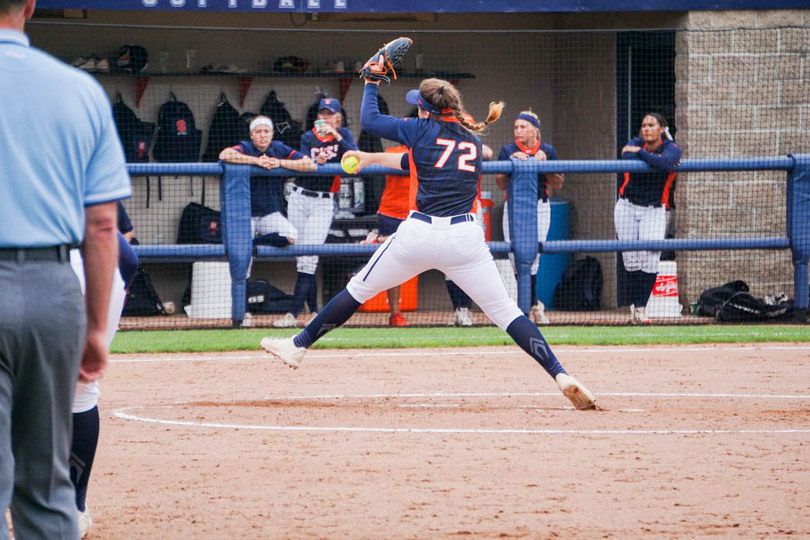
column 463, row 218
column 313, row 194
column 53, row 253
column 649, row 205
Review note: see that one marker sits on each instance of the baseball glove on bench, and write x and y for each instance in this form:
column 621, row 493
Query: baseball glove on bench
column 380, row 67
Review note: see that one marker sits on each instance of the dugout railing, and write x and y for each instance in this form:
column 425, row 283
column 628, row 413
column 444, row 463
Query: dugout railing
column 239, row 251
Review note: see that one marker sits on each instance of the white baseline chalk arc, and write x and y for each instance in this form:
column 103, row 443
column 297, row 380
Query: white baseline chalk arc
column 127, row 413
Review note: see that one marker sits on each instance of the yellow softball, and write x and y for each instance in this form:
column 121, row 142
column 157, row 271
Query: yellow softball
column 349, row 164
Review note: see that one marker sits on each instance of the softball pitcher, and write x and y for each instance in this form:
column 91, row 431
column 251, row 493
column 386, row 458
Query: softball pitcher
column 640, row 211
column 440, row 233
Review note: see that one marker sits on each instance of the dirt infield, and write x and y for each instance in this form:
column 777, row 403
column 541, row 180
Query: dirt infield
column 694, row 441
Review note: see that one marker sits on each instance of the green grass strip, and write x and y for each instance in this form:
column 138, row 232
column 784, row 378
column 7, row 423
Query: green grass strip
column 160, row 341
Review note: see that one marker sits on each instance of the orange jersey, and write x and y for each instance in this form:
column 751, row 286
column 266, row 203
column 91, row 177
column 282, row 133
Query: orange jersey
column 395, row 196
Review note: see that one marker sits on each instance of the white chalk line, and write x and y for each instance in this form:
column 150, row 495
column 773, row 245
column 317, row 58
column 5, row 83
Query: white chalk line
column 324, row 397
column 126, row 414
column 464, row 351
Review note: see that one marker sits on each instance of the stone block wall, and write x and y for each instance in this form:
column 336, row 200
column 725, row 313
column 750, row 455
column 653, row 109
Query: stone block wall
column 742, row 90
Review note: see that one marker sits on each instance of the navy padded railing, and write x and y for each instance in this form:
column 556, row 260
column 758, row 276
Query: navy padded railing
column 523, row 196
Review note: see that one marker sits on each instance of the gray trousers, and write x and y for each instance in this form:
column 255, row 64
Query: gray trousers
column 42, row 330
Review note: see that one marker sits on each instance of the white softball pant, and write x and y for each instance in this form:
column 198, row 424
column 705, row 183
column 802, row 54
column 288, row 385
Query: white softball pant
column 479, row 220
column 87, row 394
column 634, row 222
column 458, row 250
column 273, row 223
column 543, row 225
column 311, row 217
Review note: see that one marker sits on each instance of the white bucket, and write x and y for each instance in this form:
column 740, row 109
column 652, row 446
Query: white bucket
column 663, row 302
column 210, row 291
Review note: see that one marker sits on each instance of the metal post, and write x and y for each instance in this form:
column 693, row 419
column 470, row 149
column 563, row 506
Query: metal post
column 523, row 227
column 235, row 202
column 798, row 230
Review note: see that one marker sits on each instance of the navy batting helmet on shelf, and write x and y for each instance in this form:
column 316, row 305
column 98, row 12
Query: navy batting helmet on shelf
column 132, row 59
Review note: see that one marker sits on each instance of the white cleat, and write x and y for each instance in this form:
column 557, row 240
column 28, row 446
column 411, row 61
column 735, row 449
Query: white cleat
column 538, row 313
column 287, row 321
column 285, row 350
column 84, row 522
column 639, row 315
column 576, row 392
column 462, row 317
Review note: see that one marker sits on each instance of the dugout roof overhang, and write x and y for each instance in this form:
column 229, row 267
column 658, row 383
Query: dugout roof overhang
column 417, row 6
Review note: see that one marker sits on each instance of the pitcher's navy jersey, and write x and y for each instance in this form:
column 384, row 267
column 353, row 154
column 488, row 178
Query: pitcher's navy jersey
column 313, row 145
column 653, row 188
column 512, row 147
column 445, row 157
column 265, row 191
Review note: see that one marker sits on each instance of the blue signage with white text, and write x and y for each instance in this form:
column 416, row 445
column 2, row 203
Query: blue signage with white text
column 421, row 6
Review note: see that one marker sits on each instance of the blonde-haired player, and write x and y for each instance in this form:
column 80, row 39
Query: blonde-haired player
column 528, row 145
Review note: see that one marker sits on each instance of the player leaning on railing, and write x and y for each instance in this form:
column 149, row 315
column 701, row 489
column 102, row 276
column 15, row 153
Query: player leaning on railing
column 440, row 233
column 640, row 212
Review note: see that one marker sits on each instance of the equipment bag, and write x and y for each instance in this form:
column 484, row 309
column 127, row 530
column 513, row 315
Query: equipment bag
column 228, row 128
column 136, row 136
column 256, row 291
column 580, row 288
column 178, row 139
column 264, row 298
column 277, row 301
column 199, row 225
column 287, row 130
column 142, row 299
column 713, row 299
column 733, row 303
column 745, row 307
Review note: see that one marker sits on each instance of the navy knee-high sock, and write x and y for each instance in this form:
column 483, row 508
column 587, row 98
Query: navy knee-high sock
column 312, row 293
column 300, row 293
column 272, row 239
column 457, row 296
column 646, row 283
column 83, row 452
column 333, row 314
column 633, row 285
column 529, row 338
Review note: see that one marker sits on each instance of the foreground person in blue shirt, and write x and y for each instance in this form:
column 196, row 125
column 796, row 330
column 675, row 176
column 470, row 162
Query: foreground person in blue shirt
column 63, row 174
column 444, row 160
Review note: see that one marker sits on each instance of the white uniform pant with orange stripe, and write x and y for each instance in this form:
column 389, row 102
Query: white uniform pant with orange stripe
column 634, row 222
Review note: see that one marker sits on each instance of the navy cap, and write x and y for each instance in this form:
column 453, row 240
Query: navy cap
column 415, row 98
column 330, row 104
